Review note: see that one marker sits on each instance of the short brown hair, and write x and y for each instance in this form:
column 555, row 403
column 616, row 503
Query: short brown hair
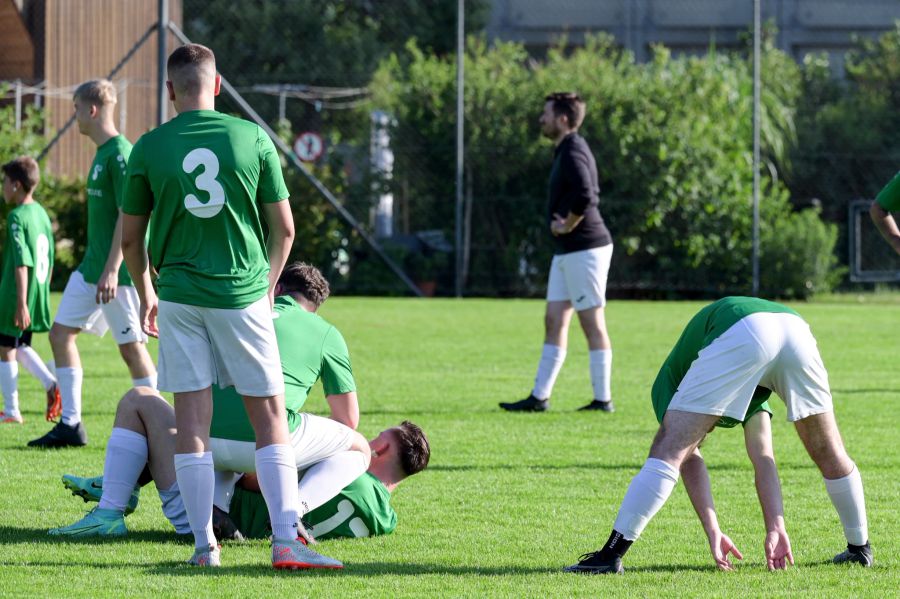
column 99, row 92
column 23, row 170
column 413, row 449
column 305, row 279
column 186, row 66
column 569, row 105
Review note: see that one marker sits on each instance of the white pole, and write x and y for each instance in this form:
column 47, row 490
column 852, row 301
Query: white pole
column 460, row 55
column 18, row 104
column 756, row 115
column 162, row 95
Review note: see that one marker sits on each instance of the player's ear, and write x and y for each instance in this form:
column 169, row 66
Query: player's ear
column 171, row 90
column 218, row 87
column 279, row 290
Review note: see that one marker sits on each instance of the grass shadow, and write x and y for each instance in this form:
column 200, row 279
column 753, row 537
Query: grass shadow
column 12, row 535
column 366, row 569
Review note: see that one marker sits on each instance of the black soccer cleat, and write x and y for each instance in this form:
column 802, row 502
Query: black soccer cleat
column 62, row 435
column 529, row 404
column 856, row 554
column 593, row 563
column 224, row 527
column 597, row 405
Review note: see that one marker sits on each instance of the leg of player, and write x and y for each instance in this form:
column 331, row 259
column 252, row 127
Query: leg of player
column 69, row 431
column 324, row 480
column 822, row 439
column 593, row 323
column 557, row 317
column 32, row 362
column 140, row 364
column 649, row 490
column 9, row 385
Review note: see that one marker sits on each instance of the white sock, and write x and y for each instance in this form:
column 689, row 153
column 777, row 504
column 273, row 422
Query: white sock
column 648, row 491
column 325, row 479
column 126, row 456
column 552, row 358
column 9, row 386
column 601, row 373
column 194, row 473
column 32, row 362
column 224, row 491
column 276, row 470
column 147, row 381
column 70, row 392
column 173, row 508
column 847, row 496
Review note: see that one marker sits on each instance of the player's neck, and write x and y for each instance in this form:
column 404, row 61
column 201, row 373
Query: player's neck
column 562, row 135
column 103, row 133
column 25, row 199
column 384, row 473
column 189, row 103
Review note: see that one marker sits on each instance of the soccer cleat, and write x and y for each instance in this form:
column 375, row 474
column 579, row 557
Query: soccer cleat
column 206, row 557
column 592, row 563
column 91, row 489
column 529, row 404
column 4, row 419
column 597, row 405
column 856, row 554
column 293, row 554
column 224, row 527
column 62, row 435
column 97, row 523
column 54, row 404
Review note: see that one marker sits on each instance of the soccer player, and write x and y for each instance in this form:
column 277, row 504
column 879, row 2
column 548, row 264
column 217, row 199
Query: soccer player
column 583, row 250
column 363, row 507
column 24, row 284
column 100, row 294
column 731, row 356
column 887, row 201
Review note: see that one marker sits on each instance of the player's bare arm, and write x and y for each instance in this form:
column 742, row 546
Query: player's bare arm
column 758, row 440
column 281, row 236
column 22, row 317
column 696, row 483
column 134, row 228
column 564, row 226
column 108, row 282
column 344, row 408
column 886, row 225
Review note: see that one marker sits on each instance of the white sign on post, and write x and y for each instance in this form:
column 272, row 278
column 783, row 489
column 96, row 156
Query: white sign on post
column 308, row 146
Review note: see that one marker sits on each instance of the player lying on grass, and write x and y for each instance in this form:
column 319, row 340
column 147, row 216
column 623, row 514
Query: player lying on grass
column 309, row 348
column 361, row 509
column 730, row 357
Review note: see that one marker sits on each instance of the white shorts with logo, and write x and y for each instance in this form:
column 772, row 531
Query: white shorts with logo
column 772, row 350
column 580, row 277
column 232, row 347
column 79, row 309
column 314, row 440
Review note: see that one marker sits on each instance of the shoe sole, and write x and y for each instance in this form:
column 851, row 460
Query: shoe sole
column 304, row 566
column 88, row 497
column 93, row 533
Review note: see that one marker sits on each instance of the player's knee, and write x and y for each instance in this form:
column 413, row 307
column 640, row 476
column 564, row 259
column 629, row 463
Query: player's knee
column 59, row 336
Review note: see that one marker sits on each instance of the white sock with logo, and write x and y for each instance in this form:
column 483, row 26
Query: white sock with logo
column 847, row 496
column 32, row 362
column 601, row 373
column 70, row 392
column 552, row 358
column 325, row 479
column 276, row 470
column 126, row 456
column 647, row 493
column 196, row 481
column 9, row 386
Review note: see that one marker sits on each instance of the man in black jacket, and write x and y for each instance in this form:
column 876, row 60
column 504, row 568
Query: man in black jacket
column 583, row 249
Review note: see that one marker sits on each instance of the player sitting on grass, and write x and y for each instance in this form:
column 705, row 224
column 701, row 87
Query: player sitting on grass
column 24, row 286
column 731, row 355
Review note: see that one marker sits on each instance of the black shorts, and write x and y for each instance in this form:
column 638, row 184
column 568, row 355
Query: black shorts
column 23, row 339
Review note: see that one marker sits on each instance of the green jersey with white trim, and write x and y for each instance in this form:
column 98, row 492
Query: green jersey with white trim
column 202, row 177
column 29, row 242
column 889, row 197
column 310, row 347
column 105, row 189
column 708, row 324
column 361, row 509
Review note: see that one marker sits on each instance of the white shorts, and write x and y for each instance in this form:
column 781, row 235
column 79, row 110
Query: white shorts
column 772, row 350
column 201, row 346
column 79, row 309
column 314, row 440
column 580, row 277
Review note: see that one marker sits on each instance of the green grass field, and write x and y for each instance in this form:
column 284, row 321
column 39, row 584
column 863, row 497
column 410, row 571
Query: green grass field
column 509, row 499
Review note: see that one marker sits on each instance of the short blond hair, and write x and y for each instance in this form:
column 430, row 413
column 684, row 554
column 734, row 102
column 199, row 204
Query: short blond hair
column 100, row 92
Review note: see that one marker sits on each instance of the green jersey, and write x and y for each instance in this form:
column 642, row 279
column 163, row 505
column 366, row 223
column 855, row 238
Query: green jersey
column 703, row 329
column 105, row 189
column 889, row 197
column 361, row 509
column 202, row 177
column 310, row 348
column 29, row 242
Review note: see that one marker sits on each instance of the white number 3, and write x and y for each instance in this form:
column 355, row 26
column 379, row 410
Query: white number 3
column 205, row 181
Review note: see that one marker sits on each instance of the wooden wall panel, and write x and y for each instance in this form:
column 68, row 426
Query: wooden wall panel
column 16, row 48
column 85, row 40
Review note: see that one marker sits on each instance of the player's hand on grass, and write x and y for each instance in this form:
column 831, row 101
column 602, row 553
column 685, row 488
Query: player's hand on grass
column 778, row 550
column 721, row 546
column 107, row 286
column 22, row 317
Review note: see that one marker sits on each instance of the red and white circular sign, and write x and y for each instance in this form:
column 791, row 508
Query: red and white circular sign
column 308, row 146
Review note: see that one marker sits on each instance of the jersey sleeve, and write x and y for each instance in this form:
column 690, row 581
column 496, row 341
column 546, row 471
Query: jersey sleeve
column 337, row 374
column 137, row 198
column 889, row 197
column 116, row 169
column 22, row 255
column 271, row 180
column 576, row 171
